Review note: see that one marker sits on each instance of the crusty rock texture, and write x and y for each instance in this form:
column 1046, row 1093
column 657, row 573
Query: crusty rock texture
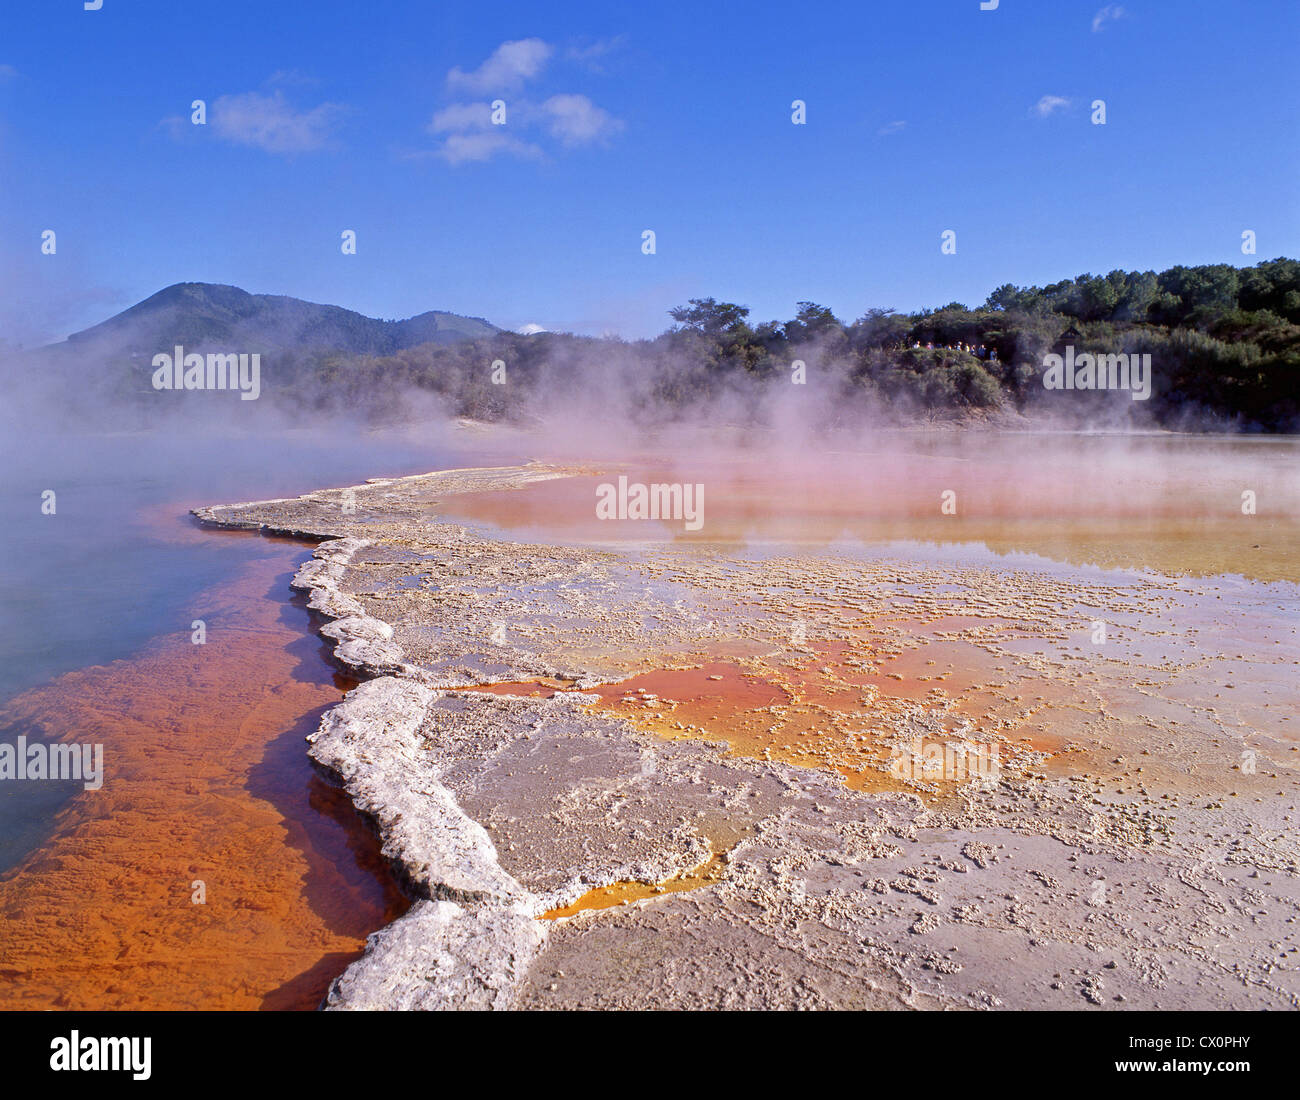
column 1120, row 857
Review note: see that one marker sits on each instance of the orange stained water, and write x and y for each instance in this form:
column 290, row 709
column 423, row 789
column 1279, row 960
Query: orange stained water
column 837, row 705
column 623, row 893
column 206, row 779
column 830, row 708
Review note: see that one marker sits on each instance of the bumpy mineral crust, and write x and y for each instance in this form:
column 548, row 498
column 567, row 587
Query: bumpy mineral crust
column 1069, row 880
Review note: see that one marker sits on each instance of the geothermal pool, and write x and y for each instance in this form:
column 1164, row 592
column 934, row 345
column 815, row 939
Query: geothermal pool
column 1104, row 627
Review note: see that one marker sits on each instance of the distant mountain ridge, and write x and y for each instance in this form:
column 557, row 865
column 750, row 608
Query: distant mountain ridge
column 211, row 315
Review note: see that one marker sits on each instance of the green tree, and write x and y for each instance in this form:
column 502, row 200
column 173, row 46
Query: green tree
column 709, row 316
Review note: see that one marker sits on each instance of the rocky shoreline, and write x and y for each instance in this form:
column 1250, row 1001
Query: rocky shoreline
column 494, row 809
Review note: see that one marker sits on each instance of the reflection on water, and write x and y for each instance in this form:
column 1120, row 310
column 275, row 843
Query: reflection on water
column 1170, row 503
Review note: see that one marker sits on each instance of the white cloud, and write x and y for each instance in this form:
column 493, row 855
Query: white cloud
column 1049, row 105
column 1108, row 14
column 467, row 148
column 511, row 64
column 569, row 120
column 891, row 128
column 589, row 56
column 530, row 329
column 462, row 116
column 575, row 120
column 468, row 133
column 269, row 122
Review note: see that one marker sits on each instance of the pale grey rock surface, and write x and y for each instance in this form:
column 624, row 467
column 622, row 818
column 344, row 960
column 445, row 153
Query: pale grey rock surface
column 495, row 808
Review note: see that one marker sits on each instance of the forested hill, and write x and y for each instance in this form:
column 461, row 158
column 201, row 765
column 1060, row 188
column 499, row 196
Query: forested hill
column 209, row 315
column 1224, row 345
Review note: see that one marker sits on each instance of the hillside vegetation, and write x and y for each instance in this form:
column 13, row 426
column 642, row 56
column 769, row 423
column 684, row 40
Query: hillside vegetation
column 1224, row 345
column 1224, row 342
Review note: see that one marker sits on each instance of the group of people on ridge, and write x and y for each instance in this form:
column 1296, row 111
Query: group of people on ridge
column 980, row 351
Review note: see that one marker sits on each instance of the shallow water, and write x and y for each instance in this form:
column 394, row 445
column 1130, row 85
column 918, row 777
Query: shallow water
column 213, row 869
column 120, row 562
column 205, row 774
column 1169, row 503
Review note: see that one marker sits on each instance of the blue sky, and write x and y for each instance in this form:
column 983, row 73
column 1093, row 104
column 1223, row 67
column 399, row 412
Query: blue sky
column 922, row 116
